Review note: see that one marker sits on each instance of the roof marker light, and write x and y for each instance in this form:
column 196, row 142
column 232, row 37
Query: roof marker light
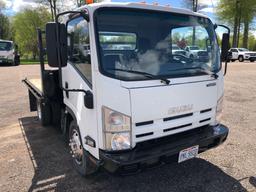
column 89, row 2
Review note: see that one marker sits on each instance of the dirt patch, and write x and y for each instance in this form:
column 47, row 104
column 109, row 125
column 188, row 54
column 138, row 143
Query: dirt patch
column 35, row 158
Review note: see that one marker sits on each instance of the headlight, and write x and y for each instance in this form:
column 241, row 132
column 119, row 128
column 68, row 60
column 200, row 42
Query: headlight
column 117, row 130
column 219, row 109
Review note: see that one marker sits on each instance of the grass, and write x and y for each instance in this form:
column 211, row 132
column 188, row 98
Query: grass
column 29, row 62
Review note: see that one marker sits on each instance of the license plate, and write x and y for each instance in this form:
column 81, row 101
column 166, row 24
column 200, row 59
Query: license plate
column 188, row 153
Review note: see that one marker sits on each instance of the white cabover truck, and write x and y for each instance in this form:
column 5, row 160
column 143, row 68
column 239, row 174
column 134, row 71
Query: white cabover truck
column 122, row 98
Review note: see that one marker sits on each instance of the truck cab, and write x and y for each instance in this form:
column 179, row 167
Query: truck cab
column 127, row 101
column 6, row 52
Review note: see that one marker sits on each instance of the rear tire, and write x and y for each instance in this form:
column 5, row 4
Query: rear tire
column 80, row 158
column 233, row 60
column 251, row 60
column 44, row 113
column 241, row 58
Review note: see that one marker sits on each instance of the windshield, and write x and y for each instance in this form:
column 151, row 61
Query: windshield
column 194, row 48
column 5, row 46
column 243, row 49
column 175, row 47
column 143, row 41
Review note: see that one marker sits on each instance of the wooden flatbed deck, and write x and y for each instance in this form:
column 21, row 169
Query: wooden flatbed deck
column 37, row 84
column 34, row 85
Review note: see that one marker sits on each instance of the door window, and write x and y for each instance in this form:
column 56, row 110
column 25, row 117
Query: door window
column 79, row 52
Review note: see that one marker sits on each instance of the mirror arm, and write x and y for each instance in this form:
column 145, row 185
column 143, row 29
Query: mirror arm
column 225, row 70
column 224, row 27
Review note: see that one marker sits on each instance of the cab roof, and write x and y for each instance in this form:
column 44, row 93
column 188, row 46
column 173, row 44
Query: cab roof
column 145, row 6
column 6, row 41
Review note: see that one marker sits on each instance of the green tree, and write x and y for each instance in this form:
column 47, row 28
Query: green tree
column 25, row 24
column 235, row 12
column 5, row 27
column 249, row 7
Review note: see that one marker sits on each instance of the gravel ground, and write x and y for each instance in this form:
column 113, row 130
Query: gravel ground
column 34, row 158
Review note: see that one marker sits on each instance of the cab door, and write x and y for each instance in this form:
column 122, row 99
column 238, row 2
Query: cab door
column 234, row 53
column 78, row 75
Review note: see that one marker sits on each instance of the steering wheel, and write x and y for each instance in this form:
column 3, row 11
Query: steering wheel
column 183, row 58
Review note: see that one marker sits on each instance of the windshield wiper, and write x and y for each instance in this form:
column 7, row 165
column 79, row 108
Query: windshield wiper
column 151, row 76
column 201, row 69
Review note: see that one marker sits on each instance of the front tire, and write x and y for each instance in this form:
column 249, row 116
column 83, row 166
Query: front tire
column 252, row 60
column 241, row 58
column 80, row 157
column 44, row 113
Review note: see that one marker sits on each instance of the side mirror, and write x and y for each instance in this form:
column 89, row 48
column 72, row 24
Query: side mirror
column 225, row 47
column 52, row 45
column 88, row 100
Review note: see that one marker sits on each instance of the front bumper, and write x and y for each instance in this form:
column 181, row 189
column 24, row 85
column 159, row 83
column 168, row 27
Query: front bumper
column 163, row 150
column 248, row 57
column 5, row 60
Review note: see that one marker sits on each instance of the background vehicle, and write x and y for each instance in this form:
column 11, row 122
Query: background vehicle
column 177, row 50
column 242, row 54
column 132, row 103
column 194, row 52
column 8, row 53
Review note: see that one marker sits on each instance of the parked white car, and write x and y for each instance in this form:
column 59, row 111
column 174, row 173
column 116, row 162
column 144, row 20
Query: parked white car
column 194, row 52
column 7, row 52
column 177, row 50
column 242, row 54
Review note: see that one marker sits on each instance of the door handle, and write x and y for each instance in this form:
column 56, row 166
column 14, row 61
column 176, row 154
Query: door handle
column 66, row 87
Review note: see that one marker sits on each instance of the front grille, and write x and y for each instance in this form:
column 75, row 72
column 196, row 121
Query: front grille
column 180, row 52
column 144, row 123
column 253, row 54
column 182, row 126
column 205, row 110
column 202, row 53
column 177, row 117
column 150, row 129
column 144, row 134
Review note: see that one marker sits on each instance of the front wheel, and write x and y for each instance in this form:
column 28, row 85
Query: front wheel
column 80, row 157
column 241, row 58
column 44, row 113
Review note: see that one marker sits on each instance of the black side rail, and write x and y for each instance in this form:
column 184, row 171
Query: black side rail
column 41, row 56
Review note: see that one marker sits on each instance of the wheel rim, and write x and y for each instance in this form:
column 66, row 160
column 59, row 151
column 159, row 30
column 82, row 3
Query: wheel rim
column 39, row 111
column 76, row 147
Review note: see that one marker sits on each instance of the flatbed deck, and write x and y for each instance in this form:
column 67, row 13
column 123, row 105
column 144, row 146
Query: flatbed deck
column 35, row 86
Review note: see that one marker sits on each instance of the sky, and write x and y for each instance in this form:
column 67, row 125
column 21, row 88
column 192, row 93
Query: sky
column 14, row 6
column 208, row 7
